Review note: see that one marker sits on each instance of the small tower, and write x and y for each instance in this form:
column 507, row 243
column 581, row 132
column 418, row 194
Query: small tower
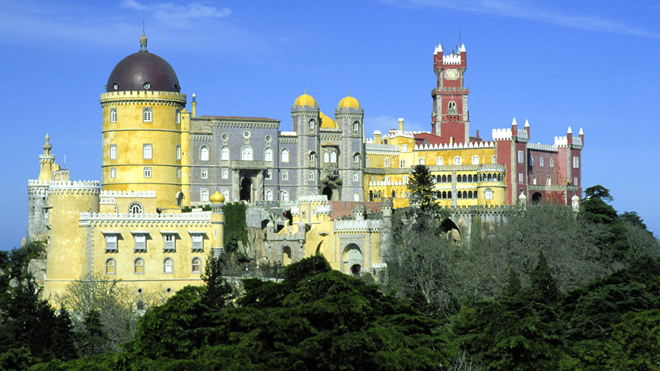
column 38, row 195
column 450, row 118
column 350, row 118
column 218, row 223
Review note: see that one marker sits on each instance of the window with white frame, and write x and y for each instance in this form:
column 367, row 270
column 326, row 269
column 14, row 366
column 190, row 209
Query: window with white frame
column 138, row 266
column 178, row 173
column 224, row 153
column 177, row 116
column 310, row 175
column 147, row 151
column 312, row 158
column 113, row 172
column 438, row 161
column 356, row 177
column 147, row 114
column 269, row 174
column 285, row 175
column 575, row 181
column 540, row 161
column 387, row 162
column 402, row 163
column 204, row 194
column 284, row 157
column 285, row 196
column 488, row 194
column 312, row 124
column 197, row 242
column 326, row 157
column 205, row 174
column 531, row 160
column 521, row 157
column 269, row 195
column 225, row 173
column 552, row 162
column 139, row 242
column 225, row 192
column 356, row 159
column 168, row 266
column 534, row 180
column 405, row 179
column 457, row 160
column 387, row 178
column 404, row 148
column 493, row 160
column 420, row 161
column 169, row 242
column 520, row 177
column 147, row 172
column 548, row 180
column 113, row 115
column 268, row 154
column 333, row 157
column 576, row 162
column 356, row 197
column 366, row 161
column 204, row 153
column 475, row 160
column 110, row 242
column 178, row 152
column 197, row 265
column 246, row 153
column 110, row 266
column 113, row 152
column 135, row 208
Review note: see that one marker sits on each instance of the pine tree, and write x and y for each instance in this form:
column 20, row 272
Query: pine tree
column 543, row 285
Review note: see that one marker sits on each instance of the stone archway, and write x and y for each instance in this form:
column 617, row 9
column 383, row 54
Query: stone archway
column 332, row 192
column 286, row 255
column 246, row 189
column 352, row 256
column 451, row 229
column 536, row 198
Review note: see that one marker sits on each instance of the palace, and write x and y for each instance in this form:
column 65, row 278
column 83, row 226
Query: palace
column 163, row 166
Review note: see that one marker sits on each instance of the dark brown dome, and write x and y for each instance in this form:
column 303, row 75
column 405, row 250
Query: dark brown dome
column 143, row 71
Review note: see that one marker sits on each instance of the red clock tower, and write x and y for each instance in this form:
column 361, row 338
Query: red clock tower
column 450, row 119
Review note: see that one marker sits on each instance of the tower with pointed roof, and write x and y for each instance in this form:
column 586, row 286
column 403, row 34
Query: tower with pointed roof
column 450, row 118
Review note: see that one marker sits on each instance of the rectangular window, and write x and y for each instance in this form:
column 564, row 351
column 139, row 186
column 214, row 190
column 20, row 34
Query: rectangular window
column 521, row 157
column 147, row 172
column 493, row 160
column 405, row 179
column 575, row 181
column 404, row 148
column 520, row 177
column 178, row 173
column 285, row 175
column 310, row 176
column 225, row 174
column 356, row 177
column 387, row 178
column 113, row 115
column 205, row 174
column 178, row 152
column 110, row 243
column 169, row 242
column 113, row 152
column 147, row 114
column 402, row 163
column 269, row 174
column 204, row 194
column 197, row 242
column 147, row 153
column 140, row 242
column 113, row 172
column 178, row 116
column 576, row 162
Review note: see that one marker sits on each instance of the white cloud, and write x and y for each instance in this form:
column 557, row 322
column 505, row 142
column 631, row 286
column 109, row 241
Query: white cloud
column 170, row 11
column 523, row 9
column 384, row 123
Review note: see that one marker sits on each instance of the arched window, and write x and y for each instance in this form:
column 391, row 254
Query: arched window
column 168, row 266
column 459, row 194
column 197, row 265
column 326, row 157
column 387, row 162
column 178, row 152
column 457, row 160
column 147, row 114
column 356, row 127
column 312, row 124
column 205, row 174
column 464, row 178
column 540, row 161
column 312, row 158
column 269, row 195
column 285, row 196
column 113, row 152
column 110, row 266
column 225, row 173
column 147, row 151
column 488, row 194
column 268, row 154
column 438, row 161
column 420, row 161
column 310, row 175
column 138, row 266
column 225, row 192
column 475, row 160
column 135, row 208
column 356, row 196
column 444, row 179
column 548, row 180
column 402, row 163
column 490, row 177
column 246, row 153
column 224, row 153
column 356, row 158
column 552, row 162
column 285, row 175
column 366, row 161
column 469, row 194
column 470, row 178
column 285, row 155
column 204, row 153
column 458, row 178
column 333, row 157
column 449, row 179
column 204, row 195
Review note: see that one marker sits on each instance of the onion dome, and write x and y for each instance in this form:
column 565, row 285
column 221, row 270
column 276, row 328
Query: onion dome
column 305, row 100
column 327, row 122
column 143, row 71
column 349, row 102
column 217, row 198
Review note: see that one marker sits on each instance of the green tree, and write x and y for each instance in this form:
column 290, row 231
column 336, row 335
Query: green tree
column 513, row 286
column 543, row 284
column 422, row 187
column 595, row 209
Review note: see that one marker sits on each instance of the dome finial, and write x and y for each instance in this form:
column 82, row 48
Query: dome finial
column 349, row 90
column 143, row 39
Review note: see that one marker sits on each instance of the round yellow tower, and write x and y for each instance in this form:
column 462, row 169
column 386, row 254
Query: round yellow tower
column 142, row 147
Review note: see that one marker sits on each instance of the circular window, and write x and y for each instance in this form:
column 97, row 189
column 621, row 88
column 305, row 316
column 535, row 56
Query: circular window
column 246, row 133
column 140, row 290
column 268, row 138
column 169, row 290
column 225, row 136
column 146, row 85
column 116, row 86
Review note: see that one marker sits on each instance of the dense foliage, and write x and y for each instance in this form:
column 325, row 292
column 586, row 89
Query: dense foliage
column 235, row 227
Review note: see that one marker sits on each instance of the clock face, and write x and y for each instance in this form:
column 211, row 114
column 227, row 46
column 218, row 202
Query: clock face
column 451, row 74
column 146, row 85
column 116, row 86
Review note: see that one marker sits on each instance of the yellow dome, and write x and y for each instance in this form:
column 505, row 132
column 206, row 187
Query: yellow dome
column 217, row 198
column 327, row 122
column 349, row 102
column 305, row 100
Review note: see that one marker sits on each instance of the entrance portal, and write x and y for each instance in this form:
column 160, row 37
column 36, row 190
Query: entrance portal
column 246, row 189
column 332, row 193
column 536, row 198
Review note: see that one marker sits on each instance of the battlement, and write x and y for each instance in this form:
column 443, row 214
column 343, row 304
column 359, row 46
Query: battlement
column 193, row 219
column 313, row 199
column 358, row 226
column 505, row 134
column 116, row 194
column 542, row 147
column 428, row 147
column 161, row 95
column 372, row 147
column 451, row 59
column 387, row 183
column 563, row 141
column 38, row 183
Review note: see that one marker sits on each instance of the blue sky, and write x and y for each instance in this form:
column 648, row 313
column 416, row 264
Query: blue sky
column 584, row 64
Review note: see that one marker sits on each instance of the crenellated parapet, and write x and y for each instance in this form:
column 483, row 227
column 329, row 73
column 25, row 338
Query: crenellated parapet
column 453, row 146
column 194, row 219
column 358, row 226
column 507, row 134
column 128, row 194
column 82, row 187
column 141, row 97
